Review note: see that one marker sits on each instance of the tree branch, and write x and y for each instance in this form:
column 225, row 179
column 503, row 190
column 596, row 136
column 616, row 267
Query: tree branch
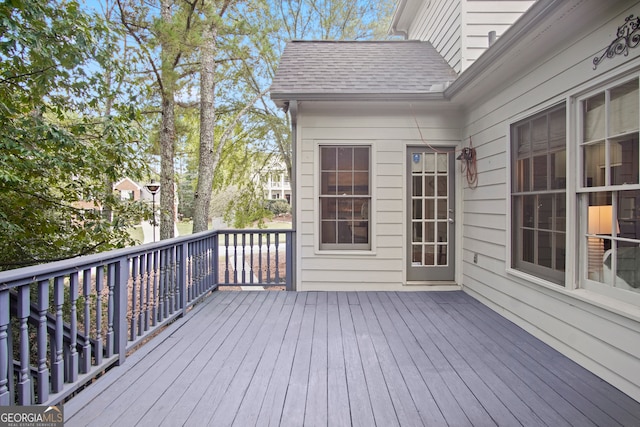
column 142, row 46
column 19, row 76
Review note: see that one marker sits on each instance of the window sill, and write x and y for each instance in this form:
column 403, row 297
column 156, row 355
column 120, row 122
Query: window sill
column 612, row 305
column 596, row 299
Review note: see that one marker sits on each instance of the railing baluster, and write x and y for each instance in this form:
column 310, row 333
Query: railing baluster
column 260, row 258
column 226, row 258
column 164, row 288
column 24, row 380
column 147, row 278
column 277, row 262
column 268, row 258
column 144, row 274
column 57, row 364
column 235, row 258
column 156, row 300
column 215, row 255
column 181, row 257
column 99, row 286
column 244, row 260
column 133, row 328
column 85, row 360
column 43, row 370
column 251, row 258
column 120, row 274
column 172, row 280
column 73, row 329
column 160, row 288
column 4, row 348
column 190, row 280
column 199, row 262
column 111, row 282
column 210, row 256
column 140, row 262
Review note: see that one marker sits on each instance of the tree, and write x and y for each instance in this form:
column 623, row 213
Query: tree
column 226, row 37
column 162, row 33
column 56, row 149
column 284, row 20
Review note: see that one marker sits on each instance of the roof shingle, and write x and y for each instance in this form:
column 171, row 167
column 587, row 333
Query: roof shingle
column 311, row 69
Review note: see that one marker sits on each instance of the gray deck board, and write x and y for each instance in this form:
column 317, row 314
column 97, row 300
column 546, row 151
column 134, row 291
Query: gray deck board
column 336, row 359
column 359, row 399
column 596, row 401
column 249, row 407
column 339, row 414
column 316, row 412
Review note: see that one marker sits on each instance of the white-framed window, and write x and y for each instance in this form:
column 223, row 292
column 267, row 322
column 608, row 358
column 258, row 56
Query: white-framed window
column 126, row 195
column 609, row 187
column 345, row 197
column 538, row 194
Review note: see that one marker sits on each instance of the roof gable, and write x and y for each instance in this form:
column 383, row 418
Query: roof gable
column 314, row 70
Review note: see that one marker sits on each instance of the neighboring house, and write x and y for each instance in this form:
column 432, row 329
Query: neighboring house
column 278, row 185
column 548, row 236
column 130, row 190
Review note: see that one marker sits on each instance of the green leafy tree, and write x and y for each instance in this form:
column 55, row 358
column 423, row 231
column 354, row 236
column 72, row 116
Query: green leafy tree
column 56, row 149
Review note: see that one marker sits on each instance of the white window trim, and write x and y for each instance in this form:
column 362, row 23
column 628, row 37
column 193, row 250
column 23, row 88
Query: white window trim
column 317, row 143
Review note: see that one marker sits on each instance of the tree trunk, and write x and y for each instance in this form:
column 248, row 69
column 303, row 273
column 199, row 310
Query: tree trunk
column 207, row 164
column 167, row 136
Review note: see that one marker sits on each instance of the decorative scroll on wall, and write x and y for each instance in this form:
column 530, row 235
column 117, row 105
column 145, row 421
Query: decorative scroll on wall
column 628, row 36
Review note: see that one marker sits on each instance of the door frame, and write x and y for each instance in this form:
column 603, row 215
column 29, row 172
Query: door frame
column 438, row 275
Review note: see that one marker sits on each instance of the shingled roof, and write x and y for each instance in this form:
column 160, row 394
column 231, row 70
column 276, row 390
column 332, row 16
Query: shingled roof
column 350, row 70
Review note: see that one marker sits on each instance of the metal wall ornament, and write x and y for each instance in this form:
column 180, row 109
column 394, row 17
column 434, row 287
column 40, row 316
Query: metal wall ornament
column 628, row 36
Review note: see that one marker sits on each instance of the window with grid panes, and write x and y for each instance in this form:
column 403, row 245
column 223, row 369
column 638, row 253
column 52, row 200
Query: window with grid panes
column 538, row 194
column 609, row 192
column 345, row 197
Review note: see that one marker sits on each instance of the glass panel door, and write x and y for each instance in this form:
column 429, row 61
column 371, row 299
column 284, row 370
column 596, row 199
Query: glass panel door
column 430, row 215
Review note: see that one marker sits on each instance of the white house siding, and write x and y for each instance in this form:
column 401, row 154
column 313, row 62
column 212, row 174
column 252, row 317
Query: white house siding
column 459, row 29
column 601, row 334
column 439, row 22
column 482, row 16
column 389, row 129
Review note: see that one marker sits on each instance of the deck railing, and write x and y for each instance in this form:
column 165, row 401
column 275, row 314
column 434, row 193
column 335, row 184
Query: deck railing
column 63, row 324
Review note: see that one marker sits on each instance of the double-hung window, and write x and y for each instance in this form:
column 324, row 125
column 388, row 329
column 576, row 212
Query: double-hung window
column 345, row 197
column 538, row 194
column 609, row 191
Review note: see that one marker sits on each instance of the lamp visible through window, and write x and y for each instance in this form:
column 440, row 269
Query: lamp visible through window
column 600, row 222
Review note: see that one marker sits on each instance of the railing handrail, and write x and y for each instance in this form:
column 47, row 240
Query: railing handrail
column 20, row 276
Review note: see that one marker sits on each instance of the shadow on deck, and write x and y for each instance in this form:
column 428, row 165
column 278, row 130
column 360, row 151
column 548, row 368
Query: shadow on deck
column 368, row 358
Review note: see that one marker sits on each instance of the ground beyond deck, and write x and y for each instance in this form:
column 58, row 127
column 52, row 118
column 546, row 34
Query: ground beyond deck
column 339, row 359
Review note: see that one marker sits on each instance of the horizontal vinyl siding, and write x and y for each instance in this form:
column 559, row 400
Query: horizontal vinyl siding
column 577, row 323
column 481, row 17
column 388, row 129
column 438, row 22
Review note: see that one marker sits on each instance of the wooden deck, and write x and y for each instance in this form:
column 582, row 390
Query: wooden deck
column 339, row 359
